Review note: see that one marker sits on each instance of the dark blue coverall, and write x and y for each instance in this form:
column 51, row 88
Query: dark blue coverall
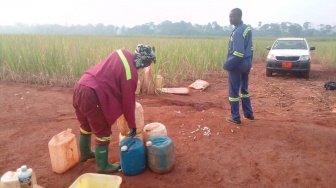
column 238, row 64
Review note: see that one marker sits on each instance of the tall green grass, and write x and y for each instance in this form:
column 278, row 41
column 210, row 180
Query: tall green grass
column 62, row 60
column 325, row 52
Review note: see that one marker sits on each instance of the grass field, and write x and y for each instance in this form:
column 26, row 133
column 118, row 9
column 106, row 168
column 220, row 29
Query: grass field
column 62, row 60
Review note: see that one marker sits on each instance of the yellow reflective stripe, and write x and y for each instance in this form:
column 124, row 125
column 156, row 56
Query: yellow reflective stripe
column 84, row 131
column 245, row 95
column 126, row 65
column 231, row 99
column 104, row 139
column 245, row 32
column 238, row 54
column 231, row 38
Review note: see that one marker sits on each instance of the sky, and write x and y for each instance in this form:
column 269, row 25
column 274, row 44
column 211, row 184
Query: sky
column 137, row 12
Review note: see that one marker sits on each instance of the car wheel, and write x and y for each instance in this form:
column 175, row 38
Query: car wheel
column 268, row 73
column 305, row 75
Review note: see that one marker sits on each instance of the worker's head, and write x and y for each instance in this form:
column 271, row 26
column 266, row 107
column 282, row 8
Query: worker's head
column 235, row 16
column 144, row 56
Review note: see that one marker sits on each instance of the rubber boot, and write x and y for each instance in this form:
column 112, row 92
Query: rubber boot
column 85, row 149
column 103, row 166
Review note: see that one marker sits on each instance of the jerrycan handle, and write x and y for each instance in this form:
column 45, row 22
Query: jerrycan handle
column 67, row 132
column 130, row 145
column 151, row 129
column 63, row 134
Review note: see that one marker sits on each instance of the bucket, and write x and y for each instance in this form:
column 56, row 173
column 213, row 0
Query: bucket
column 11, row 178
column 153, row 130
column 132, row 156
column 122, row 137
column 139, row 121
column 90, row 180
column 63, row 151
column 160, row 154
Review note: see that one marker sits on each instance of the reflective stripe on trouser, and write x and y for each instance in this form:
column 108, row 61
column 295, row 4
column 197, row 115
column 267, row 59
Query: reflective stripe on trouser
column 90, row 115
column 104, row 139
column 84, row 132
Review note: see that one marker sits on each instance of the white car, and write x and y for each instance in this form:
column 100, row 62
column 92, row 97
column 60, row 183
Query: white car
column 289, row 55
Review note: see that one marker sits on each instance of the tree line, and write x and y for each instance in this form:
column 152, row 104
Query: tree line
column 169, row 28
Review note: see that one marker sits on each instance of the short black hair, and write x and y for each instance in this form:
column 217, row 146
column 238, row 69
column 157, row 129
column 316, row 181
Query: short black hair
column 238, row 12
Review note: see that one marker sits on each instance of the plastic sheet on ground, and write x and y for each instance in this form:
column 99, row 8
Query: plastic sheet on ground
column 175, row 90
column 199, row 85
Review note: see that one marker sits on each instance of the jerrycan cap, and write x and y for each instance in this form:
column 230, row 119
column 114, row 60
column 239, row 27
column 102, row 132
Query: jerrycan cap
column 123, row 148
column 149, row 143
column 24, row 168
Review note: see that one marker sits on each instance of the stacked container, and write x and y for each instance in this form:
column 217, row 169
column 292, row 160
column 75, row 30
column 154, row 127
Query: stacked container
column 139, row 120
column 153, row 130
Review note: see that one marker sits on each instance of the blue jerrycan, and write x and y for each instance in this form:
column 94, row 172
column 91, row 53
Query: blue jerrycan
column 160, row 154
column 132, row 156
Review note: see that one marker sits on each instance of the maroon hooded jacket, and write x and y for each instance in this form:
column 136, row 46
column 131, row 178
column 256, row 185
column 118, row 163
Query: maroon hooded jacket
column 116, row 94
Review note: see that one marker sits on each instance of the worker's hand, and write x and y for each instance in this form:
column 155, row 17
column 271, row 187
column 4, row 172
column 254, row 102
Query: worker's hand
column 132, row 132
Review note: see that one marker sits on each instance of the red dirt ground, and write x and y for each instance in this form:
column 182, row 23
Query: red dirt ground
column 291, row 144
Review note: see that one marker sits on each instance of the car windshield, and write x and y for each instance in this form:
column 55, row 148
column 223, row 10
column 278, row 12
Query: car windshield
column 290, row 44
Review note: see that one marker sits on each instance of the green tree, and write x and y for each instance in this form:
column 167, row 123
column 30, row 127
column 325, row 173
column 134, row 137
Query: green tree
column 295, row 30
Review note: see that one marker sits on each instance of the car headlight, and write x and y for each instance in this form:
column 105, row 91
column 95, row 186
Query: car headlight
column 304, row 58
column 271, row 57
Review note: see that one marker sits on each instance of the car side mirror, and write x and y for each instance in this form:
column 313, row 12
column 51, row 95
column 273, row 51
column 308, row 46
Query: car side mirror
column 268, row 48
column 312, row 48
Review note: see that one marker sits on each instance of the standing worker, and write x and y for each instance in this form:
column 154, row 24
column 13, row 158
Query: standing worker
column 106, row 91
column 238, row 64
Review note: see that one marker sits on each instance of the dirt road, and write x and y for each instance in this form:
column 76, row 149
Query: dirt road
column 292, row 143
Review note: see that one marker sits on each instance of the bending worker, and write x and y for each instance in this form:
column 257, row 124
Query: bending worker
column 238, row 64
column 106, row 91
